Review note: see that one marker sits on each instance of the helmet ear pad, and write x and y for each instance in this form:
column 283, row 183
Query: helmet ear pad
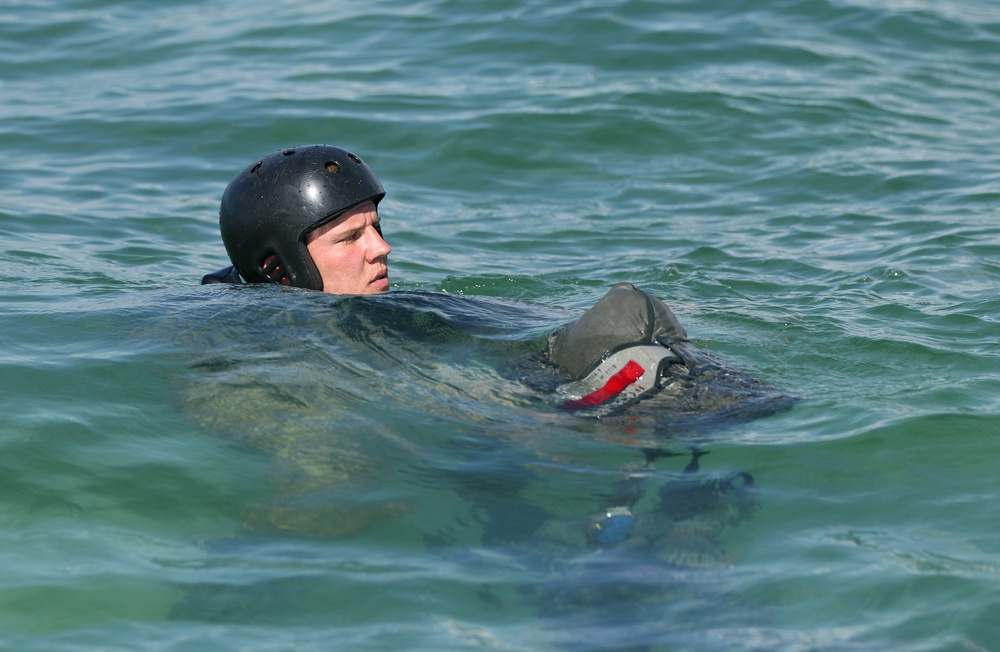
column 270, row 207
column 270, row 266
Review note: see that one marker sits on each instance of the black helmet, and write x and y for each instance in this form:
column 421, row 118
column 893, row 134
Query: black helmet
column 269, row 207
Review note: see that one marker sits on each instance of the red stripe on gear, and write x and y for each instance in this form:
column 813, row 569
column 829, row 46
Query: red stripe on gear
column 627, row 375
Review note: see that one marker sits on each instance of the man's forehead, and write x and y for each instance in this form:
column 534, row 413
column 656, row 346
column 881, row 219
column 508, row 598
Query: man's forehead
column 359, row 212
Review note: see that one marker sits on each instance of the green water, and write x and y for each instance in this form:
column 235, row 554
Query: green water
column 812, row 185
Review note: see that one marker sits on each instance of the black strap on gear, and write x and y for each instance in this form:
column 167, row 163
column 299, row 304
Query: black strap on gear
column 224, row 275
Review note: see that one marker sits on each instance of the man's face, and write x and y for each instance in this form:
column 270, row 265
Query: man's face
column 350, row 254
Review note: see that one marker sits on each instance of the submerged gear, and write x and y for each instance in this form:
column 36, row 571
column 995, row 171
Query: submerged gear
column 268, row 209
column 614, row 526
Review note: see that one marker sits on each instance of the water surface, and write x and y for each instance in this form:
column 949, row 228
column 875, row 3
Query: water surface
column 811, row 185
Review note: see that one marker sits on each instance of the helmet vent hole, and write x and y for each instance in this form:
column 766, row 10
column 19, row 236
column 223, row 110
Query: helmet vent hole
column 332, row 167
column 288, row 152
column 354, row 158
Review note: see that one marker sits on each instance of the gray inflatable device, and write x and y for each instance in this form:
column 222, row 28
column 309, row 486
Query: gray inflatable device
column 625, row 317
column 617, row 352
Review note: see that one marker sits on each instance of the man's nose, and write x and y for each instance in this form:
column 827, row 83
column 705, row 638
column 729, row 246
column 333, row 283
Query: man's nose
column 379, row 244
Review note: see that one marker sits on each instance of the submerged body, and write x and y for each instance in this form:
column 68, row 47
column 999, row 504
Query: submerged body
column 296, row 396
column 439, row 423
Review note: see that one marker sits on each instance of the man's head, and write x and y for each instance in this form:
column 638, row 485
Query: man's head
column 306, row 216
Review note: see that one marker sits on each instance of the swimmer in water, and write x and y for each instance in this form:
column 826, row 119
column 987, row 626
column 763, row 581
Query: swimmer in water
column 308, row 217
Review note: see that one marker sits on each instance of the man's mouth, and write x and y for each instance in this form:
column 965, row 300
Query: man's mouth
column 381, row 279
